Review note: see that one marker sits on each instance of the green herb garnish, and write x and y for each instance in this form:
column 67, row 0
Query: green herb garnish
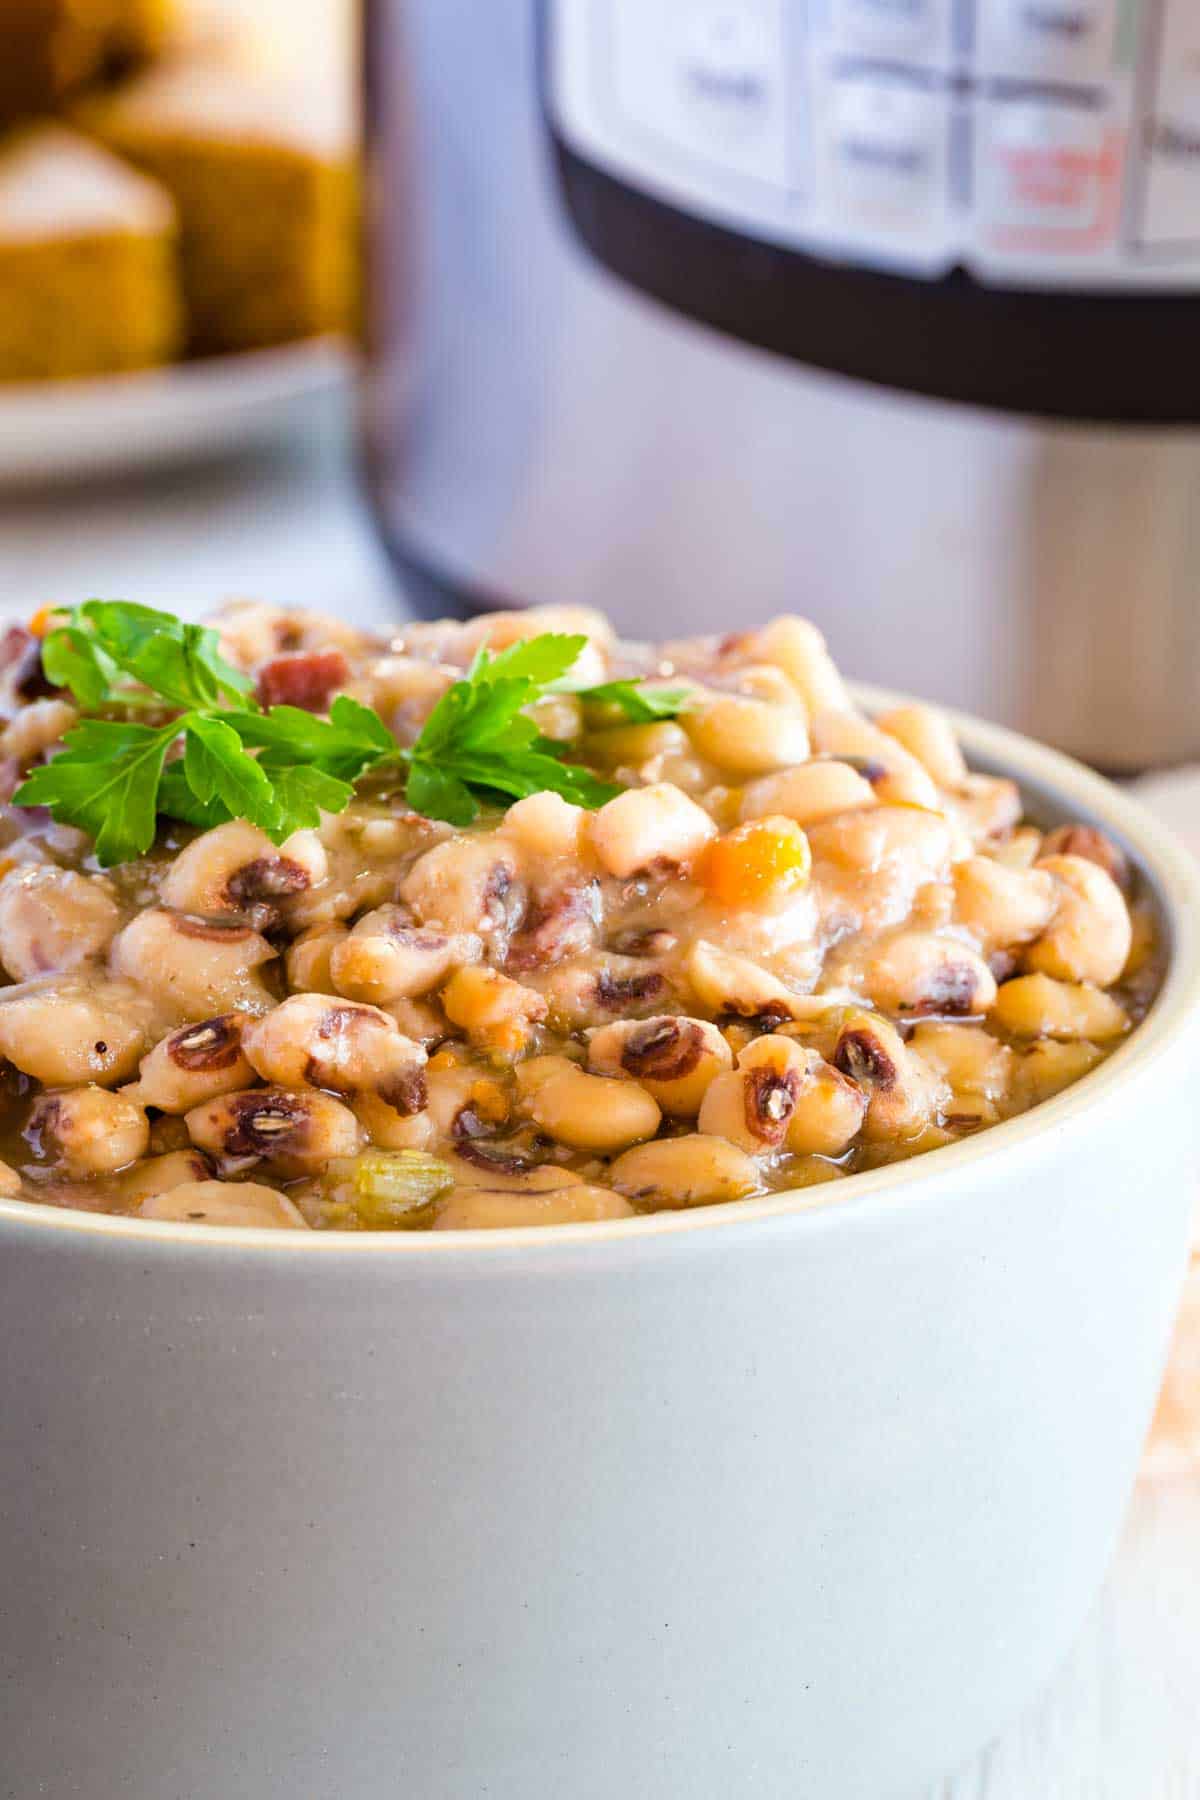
column 478, row 746
column 642, row 705
column 212, row 755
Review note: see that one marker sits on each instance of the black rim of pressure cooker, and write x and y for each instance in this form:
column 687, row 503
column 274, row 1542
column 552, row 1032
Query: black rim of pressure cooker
column 1120, row 358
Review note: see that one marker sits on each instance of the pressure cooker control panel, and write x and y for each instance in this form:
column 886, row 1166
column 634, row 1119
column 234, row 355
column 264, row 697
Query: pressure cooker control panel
column 1038, row 143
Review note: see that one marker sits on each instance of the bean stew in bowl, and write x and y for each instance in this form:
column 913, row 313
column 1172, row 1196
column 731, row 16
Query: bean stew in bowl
column 507, row 923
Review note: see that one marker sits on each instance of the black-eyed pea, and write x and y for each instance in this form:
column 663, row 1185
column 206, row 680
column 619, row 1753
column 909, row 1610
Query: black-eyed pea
column 968, row 1058
column 466, row 885
column 649, row 827
column 52, row 920
column 675, row 1059
column 895, row 775
column 696, row 1170
column 1089, row 936
column 309, row 959
column 753, row 1105
column 766, row 681
column 546, row 828
column 158, row 1175
column 193, row 1064
column 987, row 807
column 486, row 1209
column 387, row 957
column 502, row 1170
column 312, row 1040
column 1095, row 845
column 746, row 736
column 295, row 1133
column 197, row 967
column 450, row 1090
column 592, row 1112
column 1047, row 1067
column 812, row 791
column 928, row 735
column 924, row 973
column 74, row 1029
column 87, row 1131
column 637, row 746
column 1034, row 1006
column 903, row 1093
column 797, row 647
column 34, row 728
column 245, row 1203
column 392, row 1130
column 10, row 1182
column 905, row 845
column 496, row 1013
column 828, row 1112
column 1002, row 906
column 236, row 869
column 1019, row 850
column 724, row 982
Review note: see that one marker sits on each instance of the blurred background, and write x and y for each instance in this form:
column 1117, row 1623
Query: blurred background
column 881, row 311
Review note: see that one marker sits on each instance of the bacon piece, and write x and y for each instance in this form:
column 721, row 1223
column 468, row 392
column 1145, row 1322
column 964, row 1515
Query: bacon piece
column 305, row 678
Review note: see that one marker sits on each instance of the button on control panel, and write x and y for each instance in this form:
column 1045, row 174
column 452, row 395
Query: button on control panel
column 1034, row 142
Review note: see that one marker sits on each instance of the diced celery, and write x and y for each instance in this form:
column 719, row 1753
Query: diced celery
column 390, row 1189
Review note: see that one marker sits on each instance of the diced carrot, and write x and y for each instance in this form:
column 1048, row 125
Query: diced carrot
column 43, row 620
column 761, row 861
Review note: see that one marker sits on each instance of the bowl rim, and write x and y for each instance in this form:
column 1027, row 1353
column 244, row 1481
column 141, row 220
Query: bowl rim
column 1174, row 877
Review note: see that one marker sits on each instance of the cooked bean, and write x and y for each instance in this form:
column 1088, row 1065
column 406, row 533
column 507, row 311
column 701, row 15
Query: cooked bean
column 753, row 1105
column 893, row 772
column 193, row 1064
column 673, row 1058
column 748, row 737
column 923, row 972
column 313, row 1041
column 928, row 735
column 295, row 1133
column 197, row 967
column 236, row 870
column 52, row 919
column 592, row 1112
column 903, row 1093
column 36, row 728
column 309, row 959
column 245, row 1203
column 1096, row 846
column 1002, row 906
column 74, row 1029
column 390, row 1129
column 649, row 827
column 466, row 885
column 88, row 1131
column 987, row 806
column 1038, row 1006
column 696, row 1170
column 723, row 982
column 815, row 790
column 1089, row 937
column 158, row 1175
column 10, row 1182
column 1047, row 1067
column 797, row 647
column 495, row 1012
column 968, row 1057
column 387, row 957
column 546, row 828
column 483, row 1209
column 636, row 747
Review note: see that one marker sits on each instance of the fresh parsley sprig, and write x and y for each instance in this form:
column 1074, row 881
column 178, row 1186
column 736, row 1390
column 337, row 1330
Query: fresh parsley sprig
column 212, row 754
column 479, row 747
column 279, row 770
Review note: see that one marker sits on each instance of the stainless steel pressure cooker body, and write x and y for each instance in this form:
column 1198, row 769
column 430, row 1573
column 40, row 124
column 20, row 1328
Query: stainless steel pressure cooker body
column 884, row 311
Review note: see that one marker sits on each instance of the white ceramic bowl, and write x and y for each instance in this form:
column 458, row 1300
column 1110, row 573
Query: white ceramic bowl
column 801, row 1496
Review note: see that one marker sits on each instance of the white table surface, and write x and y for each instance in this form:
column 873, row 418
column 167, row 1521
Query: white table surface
column 1122, row 1719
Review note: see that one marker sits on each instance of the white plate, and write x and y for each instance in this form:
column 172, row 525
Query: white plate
column 66, row 431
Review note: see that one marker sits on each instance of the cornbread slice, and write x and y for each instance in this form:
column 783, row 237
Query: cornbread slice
column 263, row 177
column 51, row 48
column 88, row 276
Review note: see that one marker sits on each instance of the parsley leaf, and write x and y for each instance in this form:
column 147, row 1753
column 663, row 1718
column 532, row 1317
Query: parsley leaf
column 106, row 782
column 105, row 640
column 479, row 747
column 643, row 705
